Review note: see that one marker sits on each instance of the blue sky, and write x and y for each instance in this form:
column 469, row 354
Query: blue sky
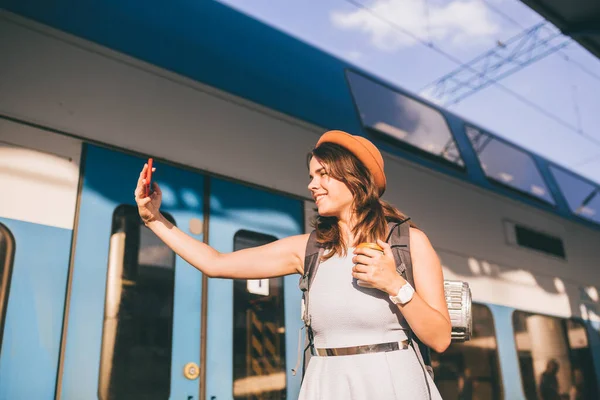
column 566, row 84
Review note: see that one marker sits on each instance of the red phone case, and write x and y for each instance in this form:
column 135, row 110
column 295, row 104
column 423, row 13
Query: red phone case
column 149, row 177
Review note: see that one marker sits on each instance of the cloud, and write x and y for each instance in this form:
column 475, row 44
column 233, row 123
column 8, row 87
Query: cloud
column 460, row 22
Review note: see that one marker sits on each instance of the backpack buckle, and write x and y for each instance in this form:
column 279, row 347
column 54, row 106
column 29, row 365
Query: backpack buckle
column 303, row 284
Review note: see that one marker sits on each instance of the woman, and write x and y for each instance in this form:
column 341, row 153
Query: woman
column 346, row 182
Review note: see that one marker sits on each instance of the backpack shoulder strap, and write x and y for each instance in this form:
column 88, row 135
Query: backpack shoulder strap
column 312, row 258
column 312, row 254
column 400, row 244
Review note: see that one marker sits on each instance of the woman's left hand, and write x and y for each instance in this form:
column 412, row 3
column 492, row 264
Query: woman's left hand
column 379, row 270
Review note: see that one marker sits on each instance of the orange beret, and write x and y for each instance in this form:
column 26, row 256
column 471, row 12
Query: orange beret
column 363, row 149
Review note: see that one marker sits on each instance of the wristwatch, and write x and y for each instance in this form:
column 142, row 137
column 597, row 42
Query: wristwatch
column 405, row 294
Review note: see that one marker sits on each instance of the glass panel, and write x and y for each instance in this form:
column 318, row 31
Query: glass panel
column 508, row 165
column 402, row 118
column 583, row 197
column 470, row 370
column 554, row 357
column 7, row 250
column 584, row 377
column 259, row 331
column 138, row 316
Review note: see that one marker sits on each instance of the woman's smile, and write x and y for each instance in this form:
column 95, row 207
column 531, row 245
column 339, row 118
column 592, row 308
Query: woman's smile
column 318, row 197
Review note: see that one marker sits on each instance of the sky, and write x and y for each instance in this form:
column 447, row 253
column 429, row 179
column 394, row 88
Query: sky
column 546, row 107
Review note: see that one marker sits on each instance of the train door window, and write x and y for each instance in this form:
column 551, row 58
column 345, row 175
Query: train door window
column 470, row 370
column 584, row 377
column 259, row 331
column 509, row 166
column 409, row 123
column 135, row 360
column 7, row 253
column 554, row 357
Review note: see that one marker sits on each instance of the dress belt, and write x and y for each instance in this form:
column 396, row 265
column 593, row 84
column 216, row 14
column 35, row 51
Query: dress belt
column 365, row 349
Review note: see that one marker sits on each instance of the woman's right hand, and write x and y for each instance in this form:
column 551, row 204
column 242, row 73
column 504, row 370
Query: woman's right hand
column 148, row 206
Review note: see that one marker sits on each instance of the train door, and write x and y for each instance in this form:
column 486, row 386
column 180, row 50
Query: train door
column 39, row 174
column 134, row 307
column 253, row 325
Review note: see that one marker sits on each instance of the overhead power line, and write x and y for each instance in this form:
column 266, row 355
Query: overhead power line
column 457, row 61
column 569, row 60
column 588, row 160
column 560, row 53
column 507, row 58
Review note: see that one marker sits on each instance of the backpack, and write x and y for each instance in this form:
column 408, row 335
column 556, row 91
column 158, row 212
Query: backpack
column 458, row 294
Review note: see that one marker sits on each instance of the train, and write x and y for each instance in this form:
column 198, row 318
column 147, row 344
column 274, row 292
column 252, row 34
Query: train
column 93, row 305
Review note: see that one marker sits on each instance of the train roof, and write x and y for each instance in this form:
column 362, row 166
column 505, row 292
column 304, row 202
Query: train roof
column 219, row 46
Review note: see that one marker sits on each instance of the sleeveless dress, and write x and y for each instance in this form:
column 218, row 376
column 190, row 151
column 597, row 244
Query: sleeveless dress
column 344, row 314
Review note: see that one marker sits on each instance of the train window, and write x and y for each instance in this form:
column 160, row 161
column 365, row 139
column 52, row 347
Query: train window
column 554, row 357
column 7, row 253
column 258, row 331
column 404, row 120
column 470, row 370
column 583, row 197
column 135, row 360
column 505, row 164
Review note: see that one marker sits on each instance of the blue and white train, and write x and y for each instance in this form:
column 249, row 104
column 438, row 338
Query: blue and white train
column 92, row 305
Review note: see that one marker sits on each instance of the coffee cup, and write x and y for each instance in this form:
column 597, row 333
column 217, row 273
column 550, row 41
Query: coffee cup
column 368, row 245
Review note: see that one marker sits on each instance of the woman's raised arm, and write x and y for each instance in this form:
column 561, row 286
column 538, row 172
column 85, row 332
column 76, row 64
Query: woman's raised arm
column 282, row 257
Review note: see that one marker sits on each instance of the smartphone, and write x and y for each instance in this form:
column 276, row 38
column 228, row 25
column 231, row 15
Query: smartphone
column 149, row 177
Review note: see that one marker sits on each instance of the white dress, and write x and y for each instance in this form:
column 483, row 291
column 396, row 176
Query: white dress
column 344, row 314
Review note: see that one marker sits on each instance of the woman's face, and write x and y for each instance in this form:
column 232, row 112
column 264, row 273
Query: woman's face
column 333, row 198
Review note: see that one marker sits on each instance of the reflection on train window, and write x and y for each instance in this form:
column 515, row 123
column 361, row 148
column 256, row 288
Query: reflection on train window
column 138, row 315
column 583, row 197
column 470, row 370
column 403, row 119
column 258, row 331
column 7, row 253
column 507, row 165
column 554, row 357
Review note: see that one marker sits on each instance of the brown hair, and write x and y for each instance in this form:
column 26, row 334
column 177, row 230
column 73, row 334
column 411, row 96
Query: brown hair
column 372, row 213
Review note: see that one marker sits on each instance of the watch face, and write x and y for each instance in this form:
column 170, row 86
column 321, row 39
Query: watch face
column 406, row 293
